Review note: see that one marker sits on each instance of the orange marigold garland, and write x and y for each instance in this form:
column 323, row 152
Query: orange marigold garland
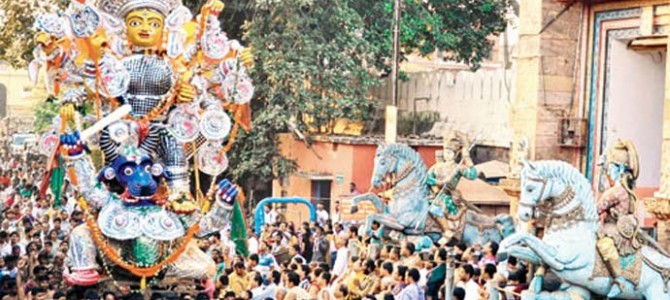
column 110, row 253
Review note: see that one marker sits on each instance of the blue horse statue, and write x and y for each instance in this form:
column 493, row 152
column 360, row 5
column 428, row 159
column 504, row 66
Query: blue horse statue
column 568, row 247
column 407, row 214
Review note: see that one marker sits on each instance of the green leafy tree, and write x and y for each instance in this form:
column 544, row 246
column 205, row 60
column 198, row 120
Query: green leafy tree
column 16, row 21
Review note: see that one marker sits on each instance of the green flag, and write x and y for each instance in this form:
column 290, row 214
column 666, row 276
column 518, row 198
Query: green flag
column 238, row 230
column 57, row 176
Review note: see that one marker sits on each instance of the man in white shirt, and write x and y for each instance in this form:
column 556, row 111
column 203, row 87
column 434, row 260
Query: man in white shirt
column 14, row 240
column 341, row 259
column 252, row 242
column 321, row 214
column 271, row 214
column 336, row 217
column 269, row 290
column 471, row 287
column 228, row 243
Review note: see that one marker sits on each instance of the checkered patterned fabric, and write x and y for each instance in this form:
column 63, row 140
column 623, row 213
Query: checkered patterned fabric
column 150, row 79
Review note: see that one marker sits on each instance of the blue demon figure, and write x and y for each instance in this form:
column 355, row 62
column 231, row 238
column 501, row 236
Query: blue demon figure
column 138, row 177
column 129, row 195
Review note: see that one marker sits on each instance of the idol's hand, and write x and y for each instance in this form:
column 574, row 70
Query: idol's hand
column 43, row 38
column 247, row 57
column 215, row 6
column 186, row 93
column 227, row 192
column 67, row 111
column 72, row 144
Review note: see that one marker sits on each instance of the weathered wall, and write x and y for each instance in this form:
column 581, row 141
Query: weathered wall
column 475, row 102
column 22, row 96
column 557, row 86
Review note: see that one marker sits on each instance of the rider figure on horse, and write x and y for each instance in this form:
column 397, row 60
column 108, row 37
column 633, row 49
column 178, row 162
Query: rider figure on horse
column 443, row 177
column 617, row 234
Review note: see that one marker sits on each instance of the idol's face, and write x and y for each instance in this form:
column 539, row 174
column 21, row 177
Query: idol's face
column 145, row 28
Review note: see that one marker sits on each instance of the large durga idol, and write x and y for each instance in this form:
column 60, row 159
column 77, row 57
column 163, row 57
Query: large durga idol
column 166, row 87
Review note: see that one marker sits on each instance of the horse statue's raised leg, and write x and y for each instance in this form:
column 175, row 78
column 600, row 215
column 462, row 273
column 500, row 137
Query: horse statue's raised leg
column 379, row 208
column 376, row 201
column 543, row 251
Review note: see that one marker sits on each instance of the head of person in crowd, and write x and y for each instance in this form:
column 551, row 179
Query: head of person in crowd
column 413, row 276
column 440, row 255
column 294, row 250
column 324, row 278
column 369, row 267
column 353, row 232
column 399, row 274
column 38, row 293
column 342, row 292
column 489, row 272
column 303, row 271
column 408, row 249
column 459, row 294
column 339, row 227
column 395, row 254
column 491, row 249
column 239, row 268
column 468, row 272
column 318, row 231
column 256, row 280
column 293, row 280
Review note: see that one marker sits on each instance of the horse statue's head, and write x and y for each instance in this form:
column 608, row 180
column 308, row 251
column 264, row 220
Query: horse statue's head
column 395, row 159
column 546, row 182
column 385, row 164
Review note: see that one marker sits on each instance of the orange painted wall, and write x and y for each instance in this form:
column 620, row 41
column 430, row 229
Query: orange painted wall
column 427, row 153
column 364, row 162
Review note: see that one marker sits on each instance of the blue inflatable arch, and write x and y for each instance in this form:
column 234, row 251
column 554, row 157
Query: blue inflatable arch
column 259, row 216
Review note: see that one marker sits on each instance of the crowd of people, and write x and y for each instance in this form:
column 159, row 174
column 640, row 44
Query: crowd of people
column 33, row 235
column 327, row 259
column 332, row 260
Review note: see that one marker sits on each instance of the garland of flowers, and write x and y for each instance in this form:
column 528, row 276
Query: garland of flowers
column 110, row 253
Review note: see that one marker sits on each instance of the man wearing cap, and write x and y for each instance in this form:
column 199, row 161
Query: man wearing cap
column 617, row 234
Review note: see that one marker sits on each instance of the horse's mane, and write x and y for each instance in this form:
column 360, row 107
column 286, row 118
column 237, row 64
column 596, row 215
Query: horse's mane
column 569, row 175
column 404, row 151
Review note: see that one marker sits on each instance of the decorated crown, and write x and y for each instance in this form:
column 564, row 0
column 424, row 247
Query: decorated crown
column 121, row 8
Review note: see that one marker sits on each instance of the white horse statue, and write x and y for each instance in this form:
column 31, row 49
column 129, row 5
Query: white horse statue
column 568, row 247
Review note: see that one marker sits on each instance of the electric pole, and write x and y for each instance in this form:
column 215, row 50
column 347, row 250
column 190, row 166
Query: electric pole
column 391, row 129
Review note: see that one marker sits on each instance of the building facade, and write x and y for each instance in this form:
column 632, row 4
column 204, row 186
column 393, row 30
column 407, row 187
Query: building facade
column 18, row 99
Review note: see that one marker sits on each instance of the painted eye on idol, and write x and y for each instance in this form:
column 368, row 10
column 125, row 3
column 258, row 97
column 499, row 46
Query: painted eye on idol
column 155, row 24
column 134, row 23
column 147, row 168
column 128, row 171
column 529, row 189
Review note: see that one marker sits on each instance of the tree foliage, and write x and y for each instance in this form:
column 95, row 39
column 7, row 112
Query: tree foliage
column 16, row 21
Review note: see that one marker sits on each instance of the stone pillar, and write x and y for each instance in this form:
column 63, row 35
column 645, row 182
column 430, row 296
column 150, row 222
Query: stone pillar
column 659, row 205
column 523, row 109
